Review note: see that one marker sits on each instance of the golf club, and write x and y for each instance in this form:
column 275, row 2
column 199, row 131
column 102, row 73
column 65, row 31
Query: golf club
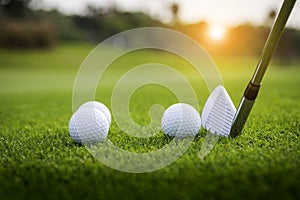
column 219, row 110
column 252, row 89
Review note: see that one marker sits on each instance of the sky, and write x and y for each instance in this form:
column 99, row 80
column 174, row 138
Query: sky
column 217, row 12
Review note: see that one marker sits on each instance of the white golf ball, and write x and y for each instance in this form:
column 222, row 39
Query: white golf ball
column 100, row 106
column 181, row 120
column 88, row 126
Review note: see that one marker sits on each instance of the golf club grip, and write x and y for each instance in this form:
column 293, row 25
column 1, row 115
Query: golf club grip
column 252, row 89
column 272, row 41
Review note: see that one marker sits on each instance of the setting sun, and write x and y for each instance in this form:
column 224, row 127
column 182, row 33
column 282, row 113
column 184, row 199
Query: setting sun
column 217, row 33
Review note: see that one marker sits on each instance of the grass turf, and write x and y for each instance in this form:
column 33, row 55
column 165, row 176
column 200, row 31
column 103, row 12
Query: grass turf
column 39, row 160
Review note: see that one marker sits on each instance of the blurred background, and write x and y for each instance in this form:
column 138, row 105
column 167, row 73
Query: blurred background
column 42, row 46
column 227, row 28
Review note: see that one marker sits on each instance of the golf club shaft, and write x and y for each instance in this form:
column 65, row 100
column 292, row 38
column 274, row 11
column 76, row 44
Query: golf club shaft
column 252, row 89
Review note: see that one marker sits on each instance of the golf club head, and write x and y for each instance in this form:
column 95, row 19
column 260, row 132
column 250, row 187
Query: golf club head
column 218, row 112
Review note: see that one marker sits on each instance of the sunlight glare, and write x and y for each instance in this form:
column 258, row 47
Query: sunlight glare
column 217, row 33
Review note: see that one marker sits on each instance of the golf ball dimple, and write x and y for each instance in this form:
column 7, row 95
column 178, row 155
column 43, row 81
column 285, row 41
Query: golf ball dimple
column 181, row 120
column 88, row 126
column 100, row 106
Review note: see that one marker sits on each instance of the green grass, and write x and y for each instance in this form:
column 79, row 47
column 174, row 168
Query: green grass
column 39, row 160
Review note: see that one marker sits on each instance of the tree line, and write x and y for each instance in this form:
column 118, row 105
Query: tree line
column 24, row 27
